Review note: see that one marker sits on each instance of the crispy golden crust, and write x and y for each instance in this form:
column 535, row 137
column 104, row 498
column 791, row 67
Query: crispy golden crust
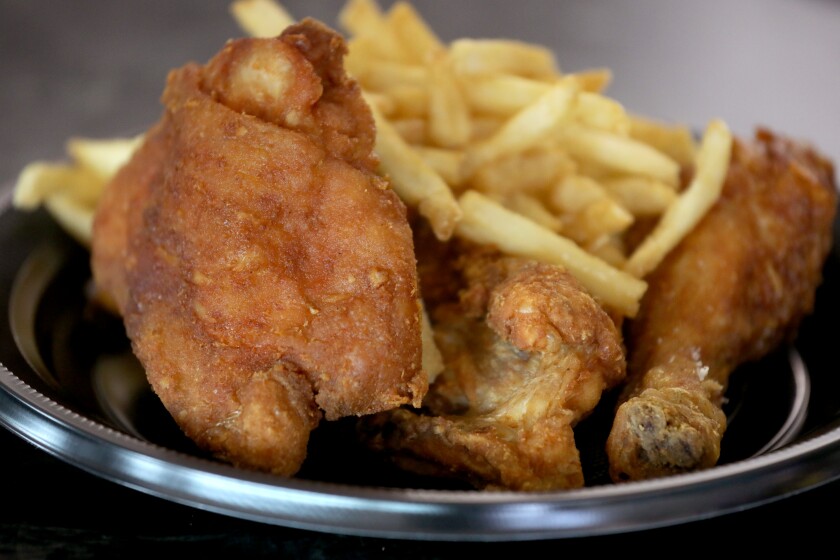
column 528, row 354
column 266, row 275
column 737, row 287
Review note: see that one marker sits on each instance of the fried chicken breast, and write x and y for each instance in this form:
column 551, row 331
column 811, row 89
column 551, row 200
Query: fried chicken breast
column 527, row 353
column 736, row 287
column 265, row 273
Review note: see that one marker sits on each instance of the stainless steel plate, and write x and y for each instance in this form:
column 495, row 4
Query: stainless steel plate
column 71, row 386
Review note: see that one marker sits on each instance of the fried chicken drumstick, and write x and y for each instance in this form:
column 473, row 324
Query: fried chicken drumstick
column 266, row 275
column 527, row 353
column 736, row 287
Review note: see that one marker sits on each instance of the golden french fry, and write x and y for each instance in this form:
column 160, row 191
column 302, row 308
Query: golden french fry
column 261, row 18
column 414, row 180
column 366, row 24
column 418, row 40
column 361, row 17
column 40, row 181
column 588, row 210
column 595, row 80
column 362, row 53
column 619, row 153
column 487, row 222
column 641, row 196
column 408, row 101
column 675, row 140
column 529, row 171
column 526, row 129
column 602, row 217
column 692, row 204
column 533, row 209
column 574, row 192
column 502, row 94
column 364, row 20
column 447, row 163
column 601, row 112
column 103, row 157
column 449, row 117
column 483, row 127
column 414, row 131
column 609, row 248
column 384, row 103
column 73, row 215
column 382, row 75
column 498, row 56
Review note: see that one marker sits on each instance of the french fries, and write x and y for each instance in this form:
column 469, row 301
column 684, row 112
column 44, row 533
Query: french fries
column 417, row 183
column 487, row 222
column 539, row 162
column 261, row 18
column 489, row 140
column 70, row 190
column 526, row 129
column 690, row 207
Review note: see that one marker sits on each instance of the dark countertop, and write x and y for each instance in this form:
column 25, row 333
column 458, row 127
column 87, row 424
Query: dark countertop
column 54, row 510
column 95, row 68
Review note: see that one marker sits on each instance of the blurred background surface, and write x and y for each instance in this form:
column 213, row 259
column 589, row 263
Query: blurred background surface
column 97, row 67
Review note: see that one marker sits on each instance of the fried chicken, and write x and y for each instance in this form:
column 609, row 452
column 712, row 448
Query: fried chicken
column 737, row 287
column 527, row 353
column 265, row 273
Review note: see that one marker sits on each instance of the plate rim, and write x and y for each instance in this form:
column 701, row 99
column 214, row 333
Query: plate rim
column 418, row 514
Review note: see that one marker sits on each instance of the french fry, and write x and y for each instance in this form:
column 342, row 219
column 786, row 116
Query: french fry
column 619, row 153
column 573, row 193
column 408, row 101
column 530, row 171
column 526, row 129
column 588, row 210
column 414, row 180
column 384, row 103
column 674, row 140
column 487, row 222
column 602, row 217
column 103, row 157
column 73, row 215
column 418, row 40
column 641, row 196
column 382, row 75
column 39, row 181
column 601, row 112
column 447, row 163
column 449, row 118
column 261, row 18
column 533, row 209
column 502, row 95
column 364, row 20
column 692, row 204
column 483, row 127
column 609, row 248
column 413, row 130
column 498, row 56
column 594, row 80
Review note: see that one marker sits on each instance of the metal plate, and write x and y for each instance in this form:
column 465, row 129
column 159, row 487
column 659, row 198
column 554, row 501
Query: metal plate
column 71, row 387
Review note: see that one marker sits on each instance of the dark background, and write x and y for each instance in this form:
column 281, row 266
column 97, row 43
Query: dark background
column 96, row 68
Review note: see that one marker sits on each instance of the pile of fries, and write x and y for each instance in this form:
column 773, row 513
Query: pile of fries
column 490, row 141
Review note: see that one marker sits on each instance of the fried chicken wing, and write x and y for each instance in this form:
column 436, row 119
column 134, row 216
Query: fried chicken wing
column 736, row 288
column 265, row 273
column 528, row 354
